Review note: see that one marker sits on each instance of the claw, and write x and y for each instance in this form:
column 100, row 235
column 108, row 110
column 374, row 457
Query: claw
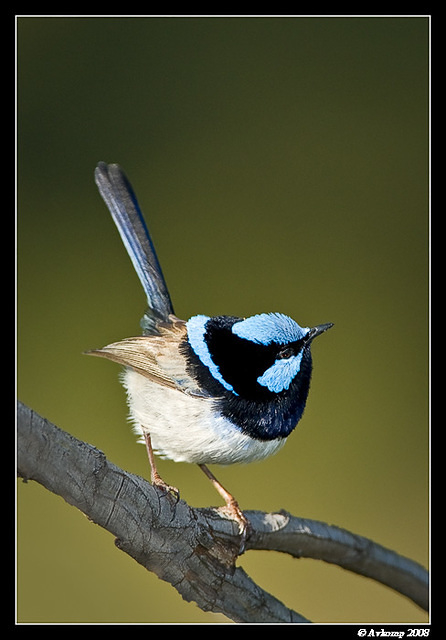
column 232, row 510
column 157, row 481
column 154, row 475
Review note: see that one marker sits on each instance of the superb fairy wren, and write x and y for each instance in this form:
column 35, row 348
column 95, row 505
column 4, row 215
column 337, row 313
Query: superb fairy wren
column 210, row 390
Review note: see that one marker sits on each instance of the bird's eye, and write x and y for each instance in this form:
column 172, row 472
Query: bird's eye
column 286, row 352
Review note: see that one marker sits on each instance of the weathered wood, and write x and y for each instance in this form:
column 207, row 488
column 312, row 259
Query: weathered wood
column 195, row 549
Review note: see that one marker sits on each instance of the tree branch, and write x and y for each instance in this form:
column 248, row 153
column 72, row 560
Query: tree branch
column 195, row 549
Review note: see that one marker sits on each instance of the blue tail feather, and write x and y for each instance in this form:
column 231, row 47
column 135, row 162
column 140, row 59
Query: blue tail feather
column 119, row 197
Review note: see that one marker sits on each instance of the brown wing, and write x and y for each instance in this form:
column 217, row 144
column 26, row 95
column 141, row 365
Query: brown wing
column 143, row 353
column 138, row 354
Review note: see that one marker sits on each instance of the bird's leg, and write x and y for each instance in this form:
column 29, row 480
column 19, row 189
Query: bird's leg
column 232, row 508
column 154, row 475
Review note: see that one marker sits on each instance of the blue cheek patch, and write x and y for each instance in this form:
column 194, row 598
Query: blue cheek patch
column 196, row 328
column 281, row 374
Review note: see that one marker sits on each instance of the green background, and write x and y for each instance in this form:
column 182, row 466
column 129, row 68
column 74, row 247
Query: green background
column 282, row 165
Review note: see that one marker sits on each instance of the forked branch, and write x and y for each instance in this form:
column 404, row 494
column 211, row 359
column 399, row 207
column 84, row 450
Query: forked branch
column 195, row 549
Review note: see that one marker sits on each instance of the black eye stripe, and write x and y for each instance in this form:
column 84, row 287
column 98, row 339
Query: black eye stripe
column 289, row 350
column 286, row 352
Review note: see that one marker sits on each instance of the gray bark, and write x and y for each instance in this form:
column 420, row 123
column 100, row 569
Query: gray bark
column 195, row 549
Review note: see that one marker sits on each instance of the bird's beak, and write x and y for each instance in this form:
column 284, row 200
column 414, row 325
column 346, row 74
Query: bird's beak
column 317, row 330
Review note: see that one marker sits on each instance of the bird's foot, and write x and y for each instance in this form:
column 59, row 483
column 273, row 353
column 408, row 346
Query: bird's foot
column 159, row 482
column 233, row 511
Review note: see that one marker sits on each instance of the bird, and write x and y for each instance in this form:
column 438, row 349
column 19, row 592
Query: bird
column 210, row 390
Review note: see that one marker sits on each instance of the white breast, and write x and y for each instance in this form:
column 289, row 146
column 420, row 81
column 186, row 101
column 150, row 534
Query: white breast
column 185, row 428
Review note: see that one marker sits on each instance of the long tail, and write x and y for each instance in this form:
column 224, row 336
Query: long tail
column 120, row 198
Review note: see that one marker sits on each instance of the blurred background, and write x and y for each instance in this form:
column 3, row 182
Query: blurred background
column 282, row 165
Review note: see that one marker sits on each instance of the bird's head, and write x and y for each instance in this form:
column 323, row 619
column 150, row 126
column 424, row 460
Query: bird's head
column 256, row 357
